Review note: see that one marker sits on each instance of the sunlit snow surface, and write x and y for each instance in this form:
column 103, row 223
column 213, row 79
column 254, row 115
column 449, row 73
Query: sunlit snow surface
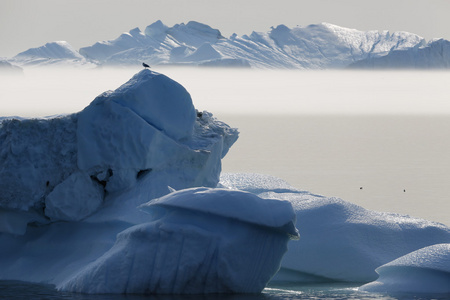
column 199, row 241
column 340, row 241
column 426, row 270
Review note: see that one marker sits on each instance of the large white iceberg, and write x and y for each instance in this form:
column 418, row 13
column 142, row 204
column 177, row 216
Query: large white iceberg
column 71, row 186
column 199, row 240
column 66, row 168
column 340, row 241
column 426, row 270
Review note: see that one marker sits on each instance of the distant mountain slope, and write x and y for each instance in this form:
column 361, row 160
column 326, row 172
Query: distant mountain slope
column 54, row 53
column 434, row 55
column 315, row 46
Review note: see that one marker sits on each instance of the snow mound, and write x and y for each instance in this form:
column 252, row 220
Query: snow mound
column 340, row 241
column 426, row 270
column 157, row 99
column 237, row 205
column 147, row 130
column 200, row 240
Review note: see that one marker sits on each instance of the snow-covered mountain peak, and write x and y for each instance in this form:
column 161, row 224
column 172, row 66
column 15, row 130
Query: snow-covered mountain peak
column 204, row 29
column 135, row 32
column 156, row 30
column 282, row 35
column 194, row 33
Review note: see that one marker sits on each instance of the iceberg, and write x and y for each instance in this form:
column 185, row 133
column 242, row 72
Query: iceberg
column 426, row 270
column 145, row 131
column 340, row 241
column 199, row 241
column 78, row 208
column 127, row 196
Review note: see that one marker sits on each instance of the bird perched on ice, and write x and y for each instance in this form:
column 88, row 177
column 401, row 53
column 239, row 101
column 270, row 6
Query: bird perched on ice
column 145, row 65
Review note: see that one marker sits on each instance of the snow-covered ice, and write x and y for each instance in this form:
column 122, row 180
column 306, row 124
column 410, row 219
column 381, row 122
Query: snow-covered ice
column 71, row 184
column 340, row 241
column 199, row 240
column 146, row 130
column 426, row 270
column 87, row 204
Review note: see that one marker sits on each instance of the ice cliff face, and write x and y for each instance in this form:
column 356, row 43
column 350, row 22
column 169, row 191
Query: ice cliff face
column 147, row 130
column 198, row 241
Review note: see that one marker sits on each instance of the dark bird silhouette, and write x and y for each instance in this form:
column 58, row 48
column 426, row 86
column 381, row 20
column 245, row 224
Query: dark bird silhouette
column 145, row 65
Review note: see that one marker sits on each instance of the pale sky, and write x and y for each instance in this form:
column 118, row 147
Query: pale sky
column 31, row 23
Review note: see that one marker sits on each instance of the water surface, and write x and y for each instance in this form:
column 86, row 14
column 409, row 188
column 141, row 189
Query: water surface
column 17, row 290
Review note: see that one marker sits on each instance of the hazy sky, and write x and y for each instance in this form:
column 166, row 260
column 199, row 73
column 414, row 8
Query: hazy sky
column 32, row 23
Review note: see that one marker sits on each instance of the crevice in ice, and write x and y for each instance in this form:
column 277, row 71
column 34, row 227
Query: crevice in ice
column 103, row 177
column 142, row 173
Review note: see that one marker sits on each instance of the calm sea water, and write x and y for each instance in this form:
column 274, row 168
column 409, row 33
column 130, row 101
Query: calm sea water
column 377, row 139
column 402, row 163
column 15, row 290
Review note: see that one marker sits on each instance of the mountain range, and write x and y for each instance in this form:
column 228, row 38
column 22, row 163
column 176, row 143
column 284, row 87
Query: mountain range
column 318, row 46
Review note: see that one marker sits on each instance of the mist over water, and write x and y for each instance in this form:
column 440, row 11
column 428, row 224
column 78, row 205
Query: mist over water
column 329, row 132
column 48, row 91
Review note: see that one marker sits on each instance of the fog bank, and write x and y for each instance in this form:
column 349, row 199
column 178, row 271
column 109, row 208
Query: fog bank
column 45, row 91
